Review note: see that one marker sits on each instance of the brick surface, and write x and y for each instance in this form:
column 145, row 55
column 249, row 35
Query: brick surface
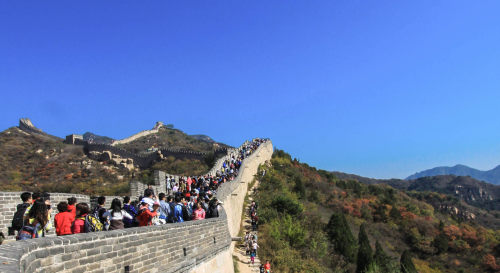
column 145, row 249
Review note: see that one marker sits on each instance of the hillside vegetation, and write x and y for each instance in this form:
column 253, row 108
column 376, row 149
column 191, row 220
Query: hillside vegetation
column 466, row 193
column 33, row 162
column 313, row 221
column 169, row 138
column 39, row 162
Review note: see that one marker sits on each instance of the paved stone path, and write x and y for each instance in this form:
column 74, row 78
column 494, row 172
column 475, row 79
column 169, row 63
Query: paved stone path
column 243, row 260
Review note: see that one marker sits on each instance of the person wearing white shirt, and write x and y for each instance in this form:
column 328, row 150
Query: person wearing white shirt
column 115, row 215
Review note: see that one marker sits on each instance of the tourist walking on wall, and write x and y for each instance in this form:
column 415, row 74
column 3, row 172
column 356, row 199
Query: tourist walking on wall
column 72, row 205
column 199, row 212
column 64, row 219
column 213, row 208
column 130, row 209
column 116, row 215
column 38, row 222
column 148, row 198
column 178, row 217
column 99, row 211
column 145, row 216
column 18, row 220
column 82, row 210
column 164, row 208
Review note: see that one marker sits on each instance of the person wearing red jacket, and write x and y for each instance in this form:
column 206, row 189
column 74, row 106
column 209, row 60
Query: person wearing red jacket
column 267, row 267
column 82, row 209
column 63, row 219
column 71, row 205
column 145, row 216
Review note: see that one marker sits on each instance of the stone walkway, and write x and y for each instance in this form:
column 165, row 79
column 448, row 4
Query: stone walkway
column 243, row 260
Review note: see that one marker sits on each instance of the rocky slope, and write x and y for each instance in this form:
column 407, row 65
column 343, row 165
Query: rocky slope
column 32, row 160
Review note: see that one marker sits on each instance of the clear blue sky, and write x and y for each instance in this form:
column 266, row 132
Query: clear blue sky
column 377, row 88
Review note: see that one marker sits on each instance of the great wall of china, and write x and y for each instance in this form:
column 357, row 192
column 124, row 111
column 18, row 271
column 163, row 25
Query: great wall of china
column 94, row 150
column 195, row 246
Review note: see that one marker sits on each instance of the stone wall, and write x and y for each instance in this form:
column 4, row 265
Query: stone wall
column 233, row 193
column 155, row 130
column 28, row 127
column 10, row 200
column 137, row 188
column 195, row 246
column 180, row 247
column 145, row 160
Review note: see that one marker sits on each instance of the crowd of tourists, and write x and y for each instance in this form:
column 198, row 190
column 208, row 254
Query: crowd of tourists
column 250, row 239
column 189, row 199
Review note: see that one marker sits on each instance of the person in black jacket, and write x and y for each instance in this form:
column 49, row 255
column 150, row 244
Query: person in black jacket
column 18, row 220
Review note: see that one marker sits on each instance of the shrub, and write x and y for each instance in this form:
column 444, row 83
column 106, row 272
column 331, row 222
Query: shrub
column 286, row 205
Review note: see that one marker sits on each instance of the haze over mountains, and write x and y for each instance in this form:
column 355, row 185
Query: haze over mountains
column 491, row 176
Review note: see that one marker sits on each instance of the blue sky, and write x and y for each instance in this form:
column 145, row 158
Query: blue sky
column 377, row 88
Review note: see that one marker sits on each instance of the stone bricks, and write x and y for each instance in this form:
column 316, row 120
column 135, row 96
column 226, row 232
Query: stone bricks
column 168, row 248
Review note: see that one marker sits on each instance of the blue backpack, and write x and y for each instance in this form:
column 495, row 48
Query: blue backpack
column 28, row 232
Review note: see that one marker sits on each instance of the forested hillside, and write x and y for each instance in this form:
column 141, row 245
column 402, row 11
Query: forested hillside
column 312, row 221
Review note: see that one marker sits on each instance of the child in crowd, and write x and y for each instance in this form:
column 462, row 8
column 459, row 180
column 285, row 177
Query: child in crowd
column 82, row 210
column 64, row 219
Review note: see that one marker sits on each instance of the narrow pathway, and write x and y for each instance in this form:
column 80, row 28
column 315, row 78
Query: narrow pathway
column 243, row 260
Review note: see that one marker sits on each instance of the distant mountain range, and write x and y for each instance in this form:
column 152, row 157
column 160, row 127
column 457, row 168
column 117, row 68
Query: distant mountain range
column 491, row 176
column 470, row 190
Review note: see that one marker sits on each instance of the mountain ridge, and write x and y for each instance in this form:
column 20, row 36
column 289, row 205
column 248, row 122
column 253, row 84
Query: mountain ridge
column 491, row 176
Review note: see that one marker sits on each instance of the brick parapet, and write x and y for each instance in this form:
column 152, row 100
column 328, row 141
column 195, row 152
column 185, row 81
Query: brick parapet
column 166, row 248
column 180, row 247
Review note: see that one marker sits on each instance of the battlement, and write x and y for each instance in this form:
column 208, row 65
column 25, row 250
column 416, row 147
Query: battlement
column 155, row 130
column 194, row 246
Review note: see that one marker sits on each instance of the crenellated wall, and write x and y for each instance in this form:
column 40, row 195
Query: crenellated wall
column 10, row 200
column 180, row 247
column 233, row 194
column 195, row 246
column 155, row 130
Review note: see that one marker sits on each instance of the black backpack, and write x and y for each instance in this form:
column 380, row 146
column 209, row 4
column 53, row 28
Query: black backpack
column 213, row 211
column 171, row 218
column 18, row 220
column 186, row 216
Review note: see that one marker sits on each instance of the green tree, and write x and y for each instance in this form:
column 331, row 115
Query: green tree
column 341, row 236
column 380, row 214
column 365, row 252
column 441, row 226
column 406, row 263
column 441, row 243
column 380, row 258
column 394, row 213
column 299, row 187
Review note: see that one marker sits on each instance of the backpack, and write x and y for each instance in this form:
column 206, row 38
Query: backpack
column 186, row 214
column 18, row 220
column 212, row 212
column 171, row 216
column 28, row 232
column 95, row 212
column 92, row 224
